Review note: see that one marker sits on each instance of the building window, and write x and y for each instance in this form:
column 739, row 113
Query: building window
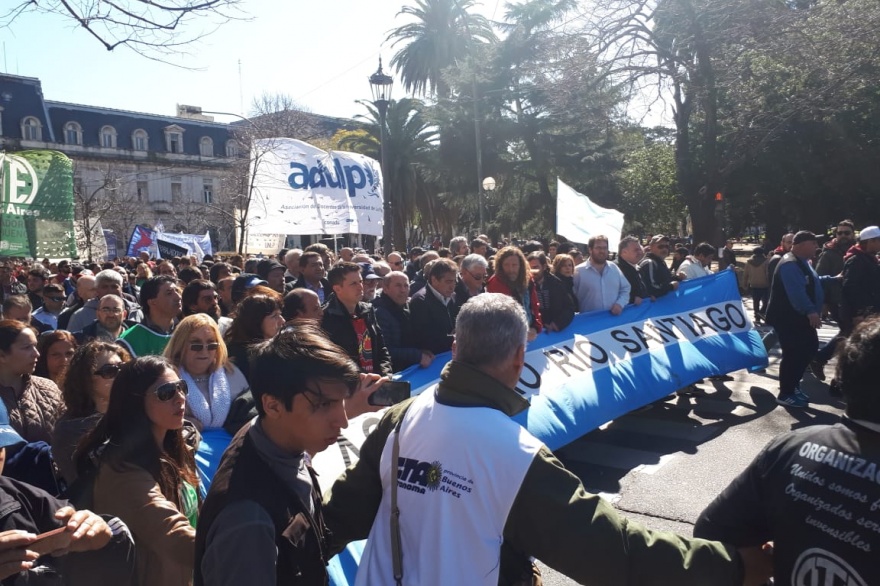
column 108, row 137
column 231, row 148
column 176, row 191
column 73, row 133
column 139, row 140
column 31, row 129
column 206, row 147
column 174, row 139
column 143, row 191
column 208, row 191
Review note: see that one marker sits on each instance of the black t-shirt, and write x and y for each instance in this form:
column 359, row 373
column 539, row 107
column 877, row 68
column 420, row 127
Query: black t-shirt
column 815, row 492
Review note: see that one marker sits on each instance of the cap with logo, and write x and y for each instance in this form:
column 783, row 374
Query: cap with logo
column 658, row 238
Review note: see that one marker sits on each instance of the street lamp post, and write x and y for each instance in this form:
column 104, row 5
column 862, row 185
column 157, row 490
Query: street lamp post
column 380, row 85
column 488, row 187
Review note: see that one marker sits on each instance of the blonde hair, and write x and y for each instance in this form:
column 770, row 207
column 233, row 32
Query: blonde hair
column 179, row 341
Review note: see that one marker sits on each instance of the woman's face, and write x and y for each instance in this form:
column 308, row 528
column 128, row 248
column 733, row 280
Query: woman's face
column 566, row 268
column 272, row 324
column 202, row 360
column 22, row 356
column 58, row 357
column 100, row 385
column 510, row 267
column 165, row 415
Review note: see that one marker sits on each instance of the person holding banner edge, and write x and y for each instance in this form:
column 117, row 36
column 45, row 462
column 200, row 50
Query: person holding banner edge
column 463, row 522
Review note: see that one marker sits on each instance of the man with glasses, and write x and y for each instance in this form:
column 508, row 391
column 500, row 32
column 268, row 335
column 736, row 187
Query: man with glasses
column 860, row 297
column 53, row 305
column 655, row 274
column 471, row 278
column 395, row 261
column 831, row 261
column 110, row 322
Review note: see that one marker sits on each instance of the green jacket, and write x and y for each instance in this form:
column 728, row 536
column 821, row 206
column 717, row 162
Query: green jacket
column 553, row 517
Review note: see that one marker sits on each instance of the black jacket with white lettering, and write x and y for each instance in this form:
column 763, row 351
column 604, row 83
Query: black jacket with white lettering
column 815, row 492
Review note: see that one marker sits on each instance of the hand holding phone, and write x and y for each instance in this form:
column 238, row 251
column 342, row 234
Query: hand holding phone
column 390, row 393
column 51, row 541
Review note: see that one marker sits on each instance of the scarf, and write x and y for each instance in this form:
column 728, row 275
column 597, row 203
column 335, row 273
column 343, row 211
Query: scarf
column 211, row 415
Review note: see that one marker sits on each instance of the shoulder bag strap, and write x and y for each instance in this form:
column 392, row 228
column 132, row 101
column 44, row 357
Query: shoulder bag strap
column 396, row 550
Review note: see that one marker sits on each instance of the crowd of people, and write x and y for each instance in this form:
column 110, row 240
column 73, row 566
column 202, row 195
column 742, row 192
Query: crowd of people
column 114, row 375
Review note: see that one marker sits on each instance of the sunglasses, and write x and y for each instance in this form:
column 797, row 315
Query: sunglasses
column 212, row 346
column 168, row 391
column 108, row 371
column 476, row 277
column 56, row 299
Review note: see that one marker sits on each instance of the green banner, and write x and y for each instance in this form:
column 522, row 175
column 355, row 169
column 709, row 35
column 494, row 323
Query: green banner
column 36, row 205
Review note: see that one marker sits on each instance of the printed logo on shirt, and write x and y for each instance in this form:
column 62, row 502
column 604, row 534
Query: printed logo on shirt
column 418, row 477
column 817, row 566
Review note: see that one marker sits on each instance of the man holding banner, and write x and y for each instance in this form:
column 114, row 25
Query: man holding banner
column 453, row 491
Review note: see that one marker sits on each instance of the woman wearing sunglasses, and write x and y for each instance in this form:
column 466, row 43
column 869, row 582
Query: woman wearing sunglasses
column 86, row 391
column 146, row 474
column 199, row 354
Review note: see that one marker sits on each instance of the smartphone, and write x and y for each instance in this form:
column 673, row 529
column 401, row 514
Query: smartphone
column 390, row 393
column 51, row 541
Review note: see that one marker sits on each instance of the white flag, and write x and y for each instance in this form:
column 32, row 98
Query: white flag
column 301, row 189
column 578, row 219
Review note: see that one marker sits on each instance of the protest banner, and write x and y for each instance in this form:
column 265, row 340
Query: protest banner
column 599, row 368
column 36, row 205
column 578, row 218
column 142, row 239
column 169, row 249
column 298, row 188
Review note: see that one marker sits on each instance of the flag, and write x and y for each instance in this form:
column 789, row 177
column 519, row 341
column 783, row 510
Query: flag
column 578, row 218
column 301, row 189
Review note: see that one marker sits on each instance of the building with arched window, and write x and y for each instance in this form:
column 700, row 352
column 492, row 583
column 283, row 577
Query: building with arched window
column 150, row 167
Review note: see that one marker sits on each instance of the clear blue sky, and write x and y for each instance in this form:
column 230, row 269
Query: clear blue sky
column 318, row 52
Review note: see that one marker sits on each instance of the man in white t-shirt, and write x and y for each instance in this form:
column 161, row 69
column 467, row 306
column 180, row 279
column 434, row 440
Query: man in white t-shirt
column 697, row 264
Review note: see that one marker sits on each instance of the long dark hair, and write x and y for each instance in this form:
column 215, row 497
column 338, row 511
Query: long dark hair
column 247, row 326
column 76, row 386
column 45, row 342
column 127, row 431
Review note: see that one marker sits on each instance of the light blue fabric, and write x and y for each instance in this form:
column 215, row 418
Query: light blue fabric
column 592, row 392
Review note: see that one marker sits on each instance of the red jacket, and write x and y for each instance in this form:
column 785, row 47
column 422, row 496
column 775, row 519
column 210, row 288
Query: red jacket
column 496, row 285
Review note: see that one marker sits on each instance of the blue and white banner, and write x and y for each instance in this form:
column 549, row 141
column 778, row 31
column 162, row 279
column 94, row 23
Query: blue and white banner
column 197, row 244
column 599, row 368
column 301, row 189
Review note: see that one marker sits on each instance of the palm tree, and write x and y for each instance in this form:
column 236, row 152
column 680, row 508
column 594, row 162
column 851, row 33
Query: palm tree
column 440, row 37
column 410, row 145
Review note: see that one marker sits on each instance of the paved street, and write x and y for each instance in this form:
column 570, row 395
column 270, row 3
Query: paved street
column 662, row 466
